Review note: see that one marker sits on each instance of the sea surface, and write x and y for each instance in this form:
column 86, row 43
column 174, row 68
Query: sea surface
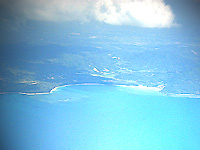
column 99, row 117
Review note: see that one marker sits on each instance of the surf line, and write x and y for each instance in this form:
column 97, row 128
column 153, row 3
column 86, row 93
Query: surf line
column 55, row 89
column 145, row 88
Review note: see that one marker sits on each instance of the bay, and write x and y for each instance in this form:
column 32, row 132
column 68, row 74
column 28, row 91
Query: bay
column 96, row 117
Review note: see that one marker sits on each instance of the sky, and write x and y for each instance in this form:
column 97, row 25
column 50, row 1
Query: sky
column 16, row 15
column 144, row 13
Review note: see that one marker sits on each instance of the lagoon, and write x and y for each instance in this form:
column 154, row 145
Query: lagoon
column 96, row 117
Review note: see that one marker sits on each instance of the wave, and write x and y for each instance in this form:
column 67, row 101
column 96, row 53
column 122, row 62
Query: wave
column 139, row 90
column 145, row 90
column 56, row 88
column 142, row 90
column 184, row 95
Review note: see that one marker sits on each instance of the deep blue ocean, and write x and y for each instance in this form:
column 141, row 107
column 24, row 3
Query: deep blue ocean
column 99, row 117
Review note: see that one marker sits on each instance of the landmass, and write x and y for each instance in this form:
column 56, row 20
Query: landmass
column 42, row 68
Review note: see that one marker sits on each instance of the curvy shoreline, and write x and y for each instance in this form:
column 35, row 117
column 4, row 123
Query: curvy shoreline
column 184, row 95
column 146, row 89
column 55, row 89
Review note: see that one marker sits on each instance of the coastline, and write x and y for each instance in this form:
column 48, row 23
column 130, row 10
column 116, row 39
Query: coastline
column 54, row 89
column 184, row 95
column 159, row 88
column 140, row 88
column 45, row 93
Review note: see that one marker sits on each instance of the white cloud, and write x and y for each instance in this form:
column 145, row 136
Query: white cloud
column 146, row 13
column 55, row 10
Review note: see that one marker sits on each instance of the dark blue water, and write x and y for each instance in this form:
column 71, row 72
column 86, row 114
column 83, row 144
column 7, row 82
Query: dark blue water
column 99, row 117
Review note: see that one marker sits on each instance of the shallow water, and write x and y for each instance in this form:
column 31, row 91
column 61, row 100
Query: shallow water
column 96, row 117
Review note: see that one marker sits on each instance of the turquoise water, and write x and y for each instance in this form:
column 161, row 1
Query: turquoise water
column 99, row 117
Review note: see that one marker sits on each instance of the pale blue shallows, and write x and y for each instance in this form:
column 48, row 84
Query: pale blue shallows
column 99, row 117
